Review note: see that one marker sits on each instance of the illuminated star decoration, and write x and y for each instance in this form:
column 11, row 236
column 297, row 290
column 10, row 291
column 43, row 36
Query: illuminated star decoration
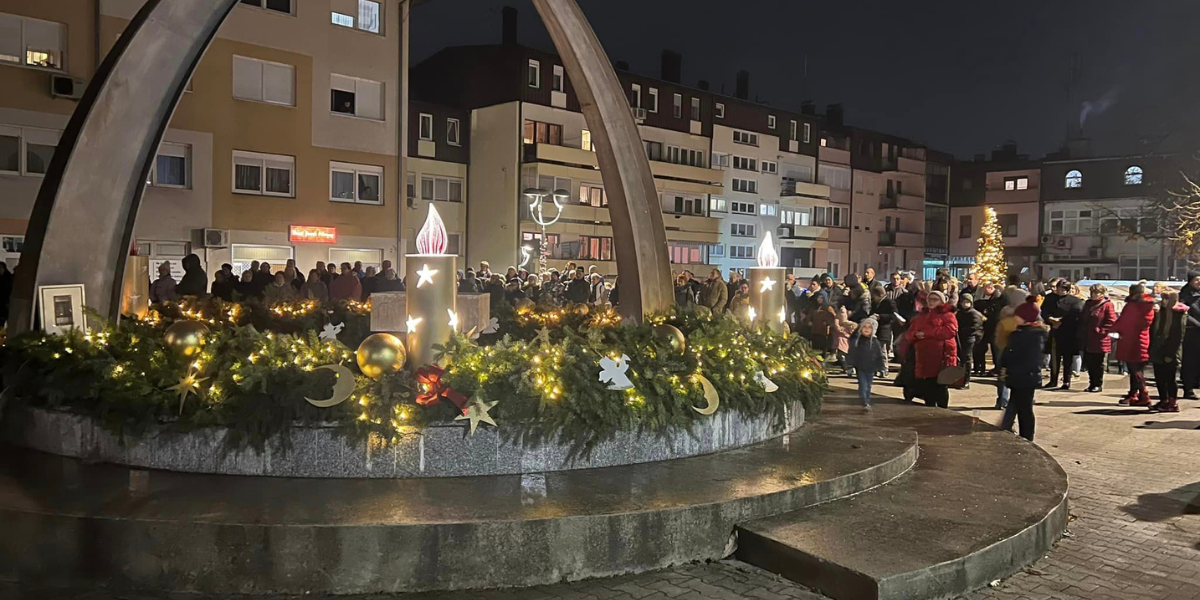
column 751, row 313
column 425, row 275
column 411, row 323
column 543, row 336
column 613, row 373
column 766, row 284
column 188, row 384
column 331, row 331
column 477, row 412
column 453, row 319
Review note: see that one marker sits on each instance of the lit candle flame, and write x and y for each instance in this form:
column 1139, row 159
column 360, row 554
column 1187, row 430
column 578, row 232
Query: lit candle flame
column 432, row 237
column 767, row 257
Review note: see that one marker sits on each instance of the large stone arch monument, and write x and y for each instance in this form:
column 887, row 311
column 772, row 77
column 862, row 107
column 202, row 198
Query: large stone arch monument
column 82, row 223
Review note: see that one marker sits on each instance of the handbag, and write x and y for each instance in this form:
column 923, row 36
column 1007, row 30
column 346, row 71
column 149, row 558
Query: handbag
column 955, row 376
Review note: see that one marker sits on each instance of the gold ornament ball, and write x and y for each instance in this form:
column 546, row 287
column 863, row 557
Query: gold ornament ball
column 580, row 309
column 672, row 335
column 523, row 304
column 186, row 337
column 381, row 354
column 703, row 312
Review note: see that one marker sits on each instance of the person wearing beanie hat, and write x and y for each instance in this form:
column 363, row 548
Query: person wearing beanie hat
column 1189, row 368
column 865, row 355
column 932, row 337
column 1021, row 367
column 970, row 332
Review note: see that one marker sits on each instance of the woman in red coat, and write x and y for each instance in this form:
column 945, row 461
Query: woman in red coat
column 1134, row 346
column 932, row 335
column 1099, row 315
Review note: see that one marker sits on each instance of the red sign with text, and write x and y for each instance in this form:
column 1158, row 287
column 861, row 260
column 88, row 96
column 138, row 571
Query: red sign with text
column 316, row 235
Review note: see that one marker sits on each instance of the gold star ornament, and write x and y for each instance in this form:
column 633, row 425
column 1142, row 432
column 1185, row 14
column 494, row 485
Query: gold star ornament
column 188, row 384
column 477, row 412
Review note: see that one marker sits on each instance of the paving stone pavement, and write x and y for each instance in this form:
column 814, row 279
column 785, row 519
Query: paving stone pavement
column 1134, row 533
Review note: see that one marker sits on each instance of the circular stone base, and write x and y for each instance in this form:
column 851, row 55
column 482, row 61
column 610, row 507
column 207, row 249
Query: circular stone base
column 437, row 451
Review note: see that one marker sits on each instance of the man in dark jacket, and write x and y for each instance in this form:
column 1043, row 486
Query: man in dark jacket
column 1189, row 296
column 970, row 332
column 577, row 288
column 194, row 282
column 1052, row 315
column 1021, row 368
column 856, row 303
column 989, row 304
column 1066, row 337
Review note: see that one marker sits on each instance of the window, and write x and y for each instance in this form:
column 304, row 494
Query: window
column 356, row 97
column 792, row 132
column 686, row 253
column 1133, row 175
column 262, row 81
column 361, row 184
column 716, row 250
column 342, row 20
column 171, row 166
column 534, row 74
column 695, row 109
column 441, row 189
column 741, row 208
column 454, row 243
column 1135, row 267
column 586, row 141
column 745, row 137
column 595, row 248
column 592, row 194
column 452, row 131
column 367, row 11
column 837, row 178
column 748, row 186
column 720, row 160
column 1016, row 183
column 807, row 133
column 654, row 150
column 1074, row 179
column 741, row 229
column 653, row 94
column 771, row 122
column 558, row 84
column 677, row 106
column 829, row 216
column 410, row 188
column 687, row 206
column 745, row 164
column 767, row 210
column 964, row 226
column 1071, row 222
column 553, row 184
column 537, row 132
column 636, row 99
column 770, row 167
column 1008, row 225
column 800, row 218
column 426, row 127
column 719, row 110
column 32, row 42
column 264, row 174
column 741, row 251
column 716, row 205
column 279, row 6
column 675, row 154
column 26, row 150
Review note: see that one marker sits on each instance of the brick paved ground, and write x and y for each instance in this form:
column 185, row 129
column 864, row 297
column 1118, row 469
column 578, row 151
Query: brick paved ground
column 1135, row 530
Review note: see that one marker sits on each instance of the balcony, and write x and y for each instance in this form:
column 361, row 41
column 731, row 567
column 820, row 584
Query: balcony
column 910, row 165
column 810, row 233
column 801, row 188
column 836, row 156
column 901, row 239
column 560, row 154
column 902, row 202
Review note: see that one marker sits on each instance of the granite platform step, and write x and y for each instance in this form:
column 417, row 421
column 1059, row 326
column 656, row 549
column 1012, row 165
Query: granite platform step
column 78, row 524
column 979, row 505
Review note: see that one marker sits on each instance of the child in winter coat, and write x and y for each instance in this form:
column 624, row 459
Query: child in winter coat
column 866, row 358
column 845, row 328
column 970, row 332
column 1166, row 349
column 1021, row 367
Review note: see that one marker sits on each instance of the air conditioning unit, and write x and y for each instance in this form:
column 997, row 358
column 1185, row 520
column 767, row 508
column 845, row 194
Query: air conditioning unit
column 1047, row 240
column 215, row 238
column 1062, row 242
column 1095, row 253
column 62, row 86
column 639, row 114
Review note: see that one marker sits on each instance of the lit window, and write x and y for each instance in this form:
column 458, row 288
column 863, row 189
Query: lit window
column 452, row 132
column 586, row 141
column 1016, row 183
column 368, row 15
column 1133, row 175
column 426, row 127
column 361, row 184
column 1074, row 179
column 356, row 97
column 262, row 81
column 264, row 174
column 32, row 42
column 534, row 75
column 716, row 205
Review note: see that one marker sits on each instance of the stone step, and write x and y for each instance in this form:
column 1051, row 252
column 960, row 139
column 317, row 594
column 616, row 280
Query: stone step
column 77, row 524
column 979, row 505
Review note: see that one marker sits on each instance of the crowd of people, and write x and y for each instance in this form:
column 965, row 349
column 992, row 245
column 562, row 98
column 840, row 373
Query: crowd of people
column 261, row 281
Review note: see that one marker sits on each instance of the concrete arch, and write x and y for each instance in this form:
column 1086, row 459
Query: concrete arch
column 82, row 223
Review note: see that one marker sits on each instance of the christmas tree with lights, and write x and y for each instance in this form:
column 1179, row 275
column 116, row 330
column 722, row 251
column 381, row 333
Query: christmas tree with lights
column 990, row 264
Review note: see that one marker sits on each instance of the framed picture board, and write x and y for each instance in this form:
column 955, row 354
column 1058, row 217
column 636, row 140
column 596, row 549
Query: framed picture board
column 61, row 307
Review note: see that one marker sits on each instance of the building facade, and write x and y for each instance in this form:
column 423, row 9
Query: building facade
column 1011, row 184
column 285, row 144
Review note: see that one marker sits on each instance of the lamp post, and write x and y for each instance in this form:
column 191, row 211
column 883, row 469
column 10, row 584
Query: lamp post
column 537, row 212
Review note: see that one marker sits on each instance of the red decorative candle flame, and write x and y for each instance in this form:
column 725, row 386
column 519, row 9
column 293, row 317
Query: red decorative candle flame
column 767, row 257
column 432, row 237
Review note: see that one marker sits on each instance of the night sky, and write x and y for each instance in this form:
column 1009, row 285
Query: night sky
column 960, row 76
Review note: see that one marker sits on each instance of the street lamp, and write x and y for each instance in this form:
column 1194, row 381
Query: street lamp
column 537, row 213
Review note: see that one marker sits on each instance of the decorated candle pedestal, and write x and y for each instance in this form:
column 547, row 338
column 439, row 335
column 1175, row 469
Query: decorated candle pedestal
column 135, row 290
column 432, row 292
column 767, row 289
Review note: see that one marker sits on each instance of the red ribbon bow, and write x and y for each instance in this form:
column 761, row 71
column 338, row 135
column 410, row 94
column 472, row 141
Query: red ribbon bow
column 432, row 387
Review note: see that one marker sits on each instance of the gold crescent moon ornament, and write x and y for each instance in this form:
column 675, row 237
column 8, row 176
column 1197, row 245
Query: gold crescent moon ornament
column 343, row 387
column 710, row 394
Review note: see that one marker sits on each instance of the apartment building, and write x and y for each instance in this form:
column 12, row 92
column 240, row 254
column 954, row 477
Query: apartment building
column 439, row 150
column 285, row 144
column 1093, row 221
column 938, row 169
column 1011, row 184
